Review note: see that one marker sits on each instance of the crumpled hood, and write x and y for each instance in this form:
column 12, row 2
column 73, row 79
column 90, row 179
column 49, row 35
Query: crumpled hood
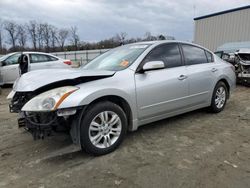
column 39, row 78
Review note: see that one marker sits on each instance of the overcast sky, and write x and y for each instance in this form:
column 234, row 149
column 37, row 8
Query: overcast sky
column 100, row 19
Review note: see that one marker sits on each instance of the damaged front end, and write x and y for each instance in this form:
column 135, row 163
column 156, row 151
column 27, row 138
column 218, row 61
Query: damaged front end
column 43, row 124
column 242, row 67
column 18, row 100
column 37, row 96
column 40, row 124
column 39, row 114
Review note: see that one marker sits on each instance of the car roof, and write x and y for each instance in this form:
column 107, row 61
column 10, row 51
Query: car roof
column 160, row 42
column 157, row 42
column 31, row 52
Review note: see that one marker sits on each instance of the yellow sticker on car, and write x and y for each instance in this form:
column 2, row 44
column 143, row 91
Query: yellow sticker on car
column 124, row 63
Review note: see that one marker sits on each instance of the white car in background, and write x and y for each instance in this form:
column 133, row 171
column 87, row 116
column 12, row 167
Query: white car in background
column 9, row 68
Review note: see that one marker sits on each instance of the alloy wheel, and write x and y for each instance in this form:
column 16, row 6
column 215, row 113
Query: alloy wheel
column 220, row 97
column 105, row 129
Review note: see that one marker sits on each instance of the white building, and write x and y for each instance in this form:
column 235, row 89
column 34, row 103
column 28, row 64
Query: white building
column 214, row 30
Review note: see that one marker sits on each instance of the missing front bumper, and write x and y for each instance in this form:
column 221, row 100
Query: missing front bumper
column 243, row 79
column 37, row 125
column 44, row 124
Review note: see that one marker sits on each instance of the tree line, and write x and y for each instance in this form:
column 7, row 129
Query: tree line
column 41, row 36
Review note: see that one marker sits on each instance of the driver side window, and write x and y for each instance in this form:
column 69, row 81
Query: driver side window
column 38, row 58
column 168, row 53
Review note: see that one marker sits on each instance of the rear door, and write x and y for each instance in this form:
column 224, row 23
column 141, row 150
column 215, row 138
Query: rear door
column 201, row 73
column 42, row 61
column 162, row 91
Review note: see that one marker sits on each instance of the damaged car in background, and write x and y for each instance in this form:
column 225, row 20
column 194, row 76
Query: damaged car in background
column 241, row 60
column 120, row 90
column 242, row 66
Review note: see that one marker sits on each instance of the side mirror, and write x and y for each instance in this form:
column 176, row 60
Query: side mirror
column 153, row 65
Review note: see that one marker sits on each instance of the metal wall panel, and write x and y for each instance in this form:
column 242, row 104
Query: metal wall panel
column 214, row 31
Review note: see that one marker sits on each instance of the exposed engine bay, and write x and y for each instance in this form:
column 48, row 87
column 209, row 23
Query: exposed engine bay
column 242, row 67
column 241, row 61
column 40, row 124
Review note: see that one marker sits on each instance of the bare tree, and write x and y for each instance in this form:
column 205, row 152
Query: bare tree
column 170, row 37
column 46, row 36
column 53, row 33
column 22, row 35
column 121, row 38
column 32, row 29
column 149, row 37
column 123, row 35
column 12, row 29
column 40, row 35
column 74, row 37
column 62, row 36
column 1, row 36
column 161, row 37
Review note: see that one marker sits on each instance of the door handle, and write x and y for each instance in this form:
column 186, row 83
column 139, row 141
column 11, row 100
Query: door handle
column 214, row 69
column 182, row 77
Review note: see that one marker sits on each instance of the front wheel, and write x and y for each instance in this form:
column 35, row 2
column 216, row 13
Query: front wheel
column 219, row 98
column 103, row 128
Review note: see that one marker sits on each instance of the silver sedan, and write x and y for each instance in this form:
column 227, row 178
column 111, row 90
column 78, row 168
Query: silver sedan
column 120, row 90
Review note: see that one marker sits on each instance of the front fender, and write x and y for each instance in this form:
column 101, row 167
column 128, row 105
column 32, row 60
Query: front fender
column 121, row 85
column 83, row 97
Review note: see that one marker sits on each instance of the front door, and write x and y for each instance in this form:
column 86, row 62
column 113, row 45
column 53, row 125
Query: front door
column 40, row 61
column 162, row 91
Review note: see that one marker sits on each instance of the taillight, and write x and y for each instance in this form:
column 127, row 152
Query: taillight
column 67, row 62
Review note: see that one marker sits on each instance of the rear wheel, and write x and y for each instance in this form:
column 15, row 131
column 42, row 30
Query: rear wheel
column 219, row 98
column 103, row 128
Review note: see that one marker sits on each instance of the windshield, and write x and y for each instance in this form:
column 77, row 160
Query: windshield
column 117, row 59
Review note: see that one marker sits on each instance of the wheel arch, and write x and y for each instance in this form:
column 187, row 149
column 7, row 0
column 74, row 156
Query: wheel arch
column 120, row 101
column 224, row 80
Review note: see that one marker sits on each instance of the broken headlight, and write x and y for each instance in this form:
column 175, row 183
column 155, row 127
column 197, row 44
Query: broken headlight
column 49, row 100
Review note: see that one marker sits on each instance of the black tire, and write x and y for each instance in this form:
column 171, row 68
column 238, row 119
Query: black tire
column 89, row 115
column 214, row 108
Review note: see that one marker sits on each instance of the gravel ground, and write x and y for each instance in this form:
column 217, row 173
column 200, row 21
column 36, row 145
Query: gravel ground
column 197, row 149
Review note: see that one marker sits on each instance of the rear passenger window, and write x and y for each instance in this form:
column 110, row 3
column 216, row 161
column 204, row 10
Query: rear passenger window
column 194, row 55
column 209, row 56
column 37, row 58
column 168, row 53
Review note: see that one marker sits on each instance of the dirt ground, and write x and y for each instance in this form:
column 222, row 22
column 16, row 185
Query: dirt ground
column 197, row 149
